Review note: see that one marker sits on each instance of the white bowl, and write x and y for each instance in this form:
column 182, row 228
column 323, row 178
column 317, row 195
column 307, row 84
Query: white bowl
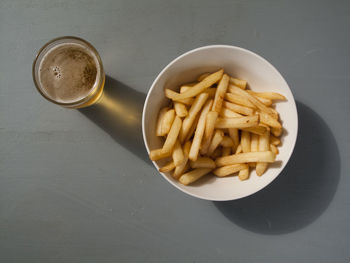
column 240, row 63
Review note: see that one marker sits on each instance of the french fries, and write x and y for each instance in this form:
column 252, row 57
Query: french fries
column 238, row 122
column 167, row 168
column 180, row 169
column 234, row 134
column 253, row 100
column 220, row 93
column 172, row 136
column 259, row 130
column 249, row 157
column 239, row 83
column 217, row 138
column 239, row 149
column 166, row 122
column 268, row 120
column 264, row 142
column 245, row 142
column 226, row 113
column 194, row 175
column 227, row 142
column 229, row 169
column 268, row 95
column 254, row 142
column 243, row 174
column 237, row 99
column 209, row 130
column 203, row 76
column 178, row 155
column 274, row 149
column 217, row 125
column 158, row 154
column 274, row 140
column 196, row 89
column 161, row 115
column 194, row 110
column 196, row 143
column 180, row 109
column 238, row 108
column 203, row 162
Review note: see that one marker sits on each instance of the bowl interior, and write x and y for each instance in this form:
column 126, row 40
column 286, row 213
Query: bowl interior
column 240, row 63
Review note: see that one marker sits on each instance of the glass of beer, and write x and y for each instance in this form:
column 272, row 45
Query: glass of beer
column 68, row 71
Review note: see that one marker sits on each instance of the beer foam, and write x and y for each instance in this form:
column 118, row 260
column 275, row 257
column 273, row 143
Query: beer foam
column 68, row 72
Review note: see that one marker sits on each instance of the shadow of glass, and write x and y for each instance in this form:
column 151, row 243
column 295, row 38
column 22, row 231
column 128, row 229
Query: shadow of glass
column 119, row 113
column 302, row 192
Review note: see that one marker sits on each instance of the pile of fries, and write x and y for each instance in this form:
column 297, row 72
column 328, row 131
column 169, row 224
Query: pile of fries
column 217, row 125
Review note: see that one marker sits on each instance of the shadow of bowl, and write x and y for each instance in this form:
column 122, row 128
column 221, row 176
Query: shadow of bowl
column 304, row 189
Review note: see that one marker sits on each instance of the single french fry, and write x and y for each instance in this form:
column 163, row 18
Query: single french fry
column 197, row 139
column 238, row 122
column 178, row 155
column 167, row 121
column 187, row 101
column 203, row 162
column 276, row 131
column 167, row 168
column 259, row 130
column 264, row 101
column 254, row 142
column 220, row 93
column 215, row 142
column 172, row 135
column 227, row 142
column 237, row 99
column 261, row 168
column 268, row 120
column 268, row 95
column 192, row 129
column 184, row 88
column 217, row 153
column 249, row 157
column 193, row 175
column 229, row 169
column 161, row 115
column 179, row 170
column 194, row 110
column 274, row 140
column 208, row 132
column 203, row 76
column 239, row 149
column 226, row 151
column 238, row 82
column 180, row 109
column 196, row 89
column 264, row 143
column 245, row 141
column 158, row 154
column 253, row 100
column 226, row 113
column 238, row 108
column 234, row 134
column 244, row 174
column 274, row 149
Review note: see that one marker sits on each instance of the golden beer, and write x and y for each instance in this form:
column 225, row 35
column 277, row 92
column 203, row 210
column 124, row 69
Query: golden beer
column 68, row 71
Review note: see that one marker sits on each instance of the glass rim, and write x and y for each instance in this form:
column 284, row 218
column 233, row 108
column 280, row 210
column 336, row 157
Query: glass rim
column 91, row 92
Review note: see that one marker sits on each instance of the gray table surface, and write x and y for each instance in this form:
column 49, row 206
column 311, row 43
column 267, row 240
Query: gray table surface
column 76, row 185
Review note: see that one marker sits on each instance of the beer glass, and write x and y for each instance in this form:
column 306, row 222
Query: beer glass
column 68, row 71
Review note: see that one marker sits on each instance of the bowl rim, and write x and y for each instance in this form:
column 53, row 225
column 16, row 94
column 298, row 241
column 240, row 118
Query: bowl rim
column 289, row 154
